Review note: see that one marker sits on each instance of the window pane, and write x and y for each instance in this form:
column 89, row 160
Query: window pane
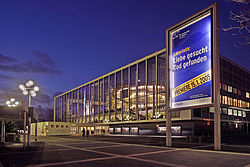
column 151, row 87
column 141, row 91
column 133, row 92
column 125, row 94
column 161, row 84
column 118, row 95
column 112, row 97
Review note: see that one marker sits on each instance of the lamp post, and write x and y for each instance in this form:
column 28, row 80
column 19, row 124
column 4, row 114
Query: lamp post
column 10, row 103
column 30, row 89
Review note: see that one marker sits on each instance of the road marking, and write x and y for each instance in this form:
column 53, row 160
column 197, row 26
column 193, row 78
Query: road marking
column 235, row 145
column 124, row 156
column 156, row 162
column 202, row 146
column 212, row 151
column 25, row 152
column 187, row 149
column 148, row 153
column 72, row 162
column 118, row 145
column 127, row 144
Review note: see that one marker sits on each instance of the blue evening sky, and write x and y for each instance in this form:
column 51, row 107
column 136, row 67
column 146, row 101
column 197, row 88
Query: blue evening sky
column 61, row 44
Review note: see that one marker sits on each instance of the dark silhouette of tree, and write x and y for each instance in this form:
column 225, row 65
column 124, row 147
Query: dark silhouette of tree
column 240, row 26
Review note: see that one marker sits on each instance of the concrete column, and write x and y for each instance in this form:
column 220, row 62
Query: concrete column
column 168, row 129
column 3, row 132
column 109, row 105
column 136, row 92
column 129, row 113
column 93, row 102
column 54, row 109
column 29, row 126
column 156, row 84
column 90, row 108
column 77, row 106
column 36, row 131
column 85, row 102
column 98, row 100
column 146, row 88
column 247, row 127
column 122, row 109
column 115, row 97
column 24, row 123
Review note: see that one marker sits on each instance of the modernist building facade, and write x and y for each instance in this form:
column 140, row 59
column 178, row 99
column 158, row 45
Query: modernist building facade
column 131, row 100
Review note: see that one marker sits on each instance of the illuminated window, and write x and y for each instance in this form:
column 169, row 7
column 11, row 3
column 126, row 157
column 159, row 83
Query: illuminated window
column 230, row 101
column 111, row 130
column 243, row 105
column 224, row 111
column 230, row 111
column 230, row 88
column 175, row 114
column 235, row 102
column 243, row 114
column 224, row 100
column 235, row 112
column 236, row 125
column 239, row 103
column 247, row 94
column 134, row 129
column 118, row 130
column 224, row 87
column 235, row 90
column 239, row 113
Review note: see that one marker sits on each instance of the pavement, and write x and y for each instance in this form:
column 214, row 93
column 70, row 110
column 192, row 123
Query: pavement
column 113, row 151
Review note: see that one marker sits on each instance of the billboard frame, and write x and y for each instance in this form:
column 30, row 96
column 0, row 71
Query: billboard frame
column 215, row 74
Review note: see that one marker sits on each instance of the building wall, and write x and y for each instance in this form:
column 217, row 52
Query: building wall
column 136, row 93
column 51, row 128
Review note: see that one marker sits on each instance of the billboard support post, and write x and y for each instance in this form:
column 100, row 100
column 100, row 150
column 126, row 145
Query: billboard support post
column 168, row 129
column 216, row 65
column 168, row 112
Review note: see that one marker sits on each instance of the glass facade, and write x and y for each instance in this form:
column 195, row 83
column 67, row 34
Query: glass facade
column 136, row 92
column 132, row 93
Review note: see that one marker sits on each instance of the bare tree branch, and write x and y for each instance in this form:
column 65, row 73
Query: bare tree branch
column 241, row 22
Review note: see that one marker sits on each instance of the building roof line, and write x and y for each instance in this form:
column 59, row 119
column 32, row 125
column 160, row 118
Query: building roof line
column 237, row 65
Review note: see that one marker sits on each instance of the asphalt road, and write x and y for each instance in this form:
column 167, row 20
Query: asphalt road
column 114, row 151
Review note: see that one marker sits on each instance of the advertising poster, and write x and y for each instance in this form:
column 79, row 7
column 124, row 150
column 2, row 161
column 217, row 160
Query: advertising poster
column 190, row 62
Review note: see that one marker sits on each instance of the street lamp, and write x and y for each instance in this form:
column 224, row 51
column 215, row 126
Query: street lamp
column 12, row 102
column 30, row 89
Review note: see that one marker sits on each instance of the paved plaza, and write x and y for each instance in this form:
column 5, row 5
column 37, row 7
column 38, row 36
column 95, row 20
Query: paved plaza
column 118, row 151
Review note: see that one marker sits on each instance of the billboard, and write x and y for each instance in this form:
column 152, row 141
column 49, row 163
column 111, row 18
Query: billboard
column 190, row 62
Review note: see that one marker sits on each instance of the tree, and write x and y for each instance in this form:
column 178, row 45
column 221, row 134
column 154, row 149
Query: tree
column 240, row 22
